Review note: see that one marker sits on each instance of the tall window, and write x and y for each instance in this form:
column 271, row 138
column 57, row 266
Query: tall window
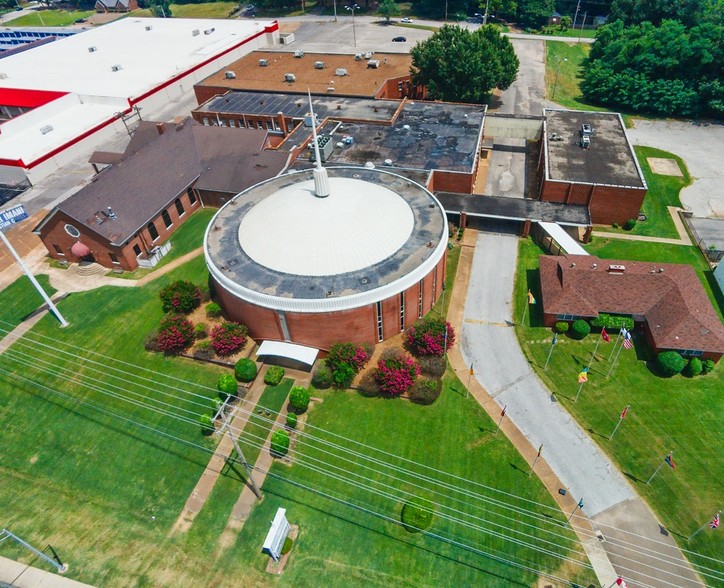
column 179, row 207
column 114, row 258
column 192, row 196
column 419, row 302
column 402, row 311
column 58, row 249
column 136, row 250
column 152, row 231
column 166, row 218
column 380, row 332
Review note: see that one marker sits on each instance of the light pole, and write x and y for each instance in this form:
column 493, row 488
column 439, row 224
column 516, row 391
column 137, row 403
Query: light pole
column 354, row 31
column 335, row 10
column 558, row 70
column 485, row 16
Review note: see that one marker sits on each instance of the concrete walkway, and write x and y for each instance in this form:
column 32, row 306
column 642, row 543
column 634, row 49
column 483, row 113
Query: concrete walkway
column 571, row 457
column 20, row 575
column 683, row 239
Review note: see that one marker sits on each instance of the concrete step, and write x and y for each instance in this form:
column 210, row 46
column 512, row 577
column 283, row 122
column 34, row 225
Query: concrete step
column 90, row 269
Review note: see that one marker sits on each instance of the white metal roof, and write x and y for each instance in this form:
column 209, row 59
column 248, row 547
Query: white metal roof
column 305, row 355
column 568, row 243
column 357, row 225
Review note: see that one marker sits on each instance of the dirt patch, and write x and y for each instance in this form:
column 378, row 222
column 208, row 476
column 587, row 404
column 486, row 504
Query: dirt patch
column 103, row 17
column 34, row 459
column 664, row 166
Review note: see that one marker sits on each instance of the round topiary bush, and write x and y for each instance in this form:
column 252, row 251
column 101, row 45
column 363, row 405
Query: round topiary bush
column 562, row 327
column 707, row 366
column 228, row 338
column 417, row 514
column 322, row 377
column 181, row 296
column 287, row 547
column 670, row 363
column 200, row 331
column 227, row 386
column 245, row 369
column 207, row 425
column 299, row 398
column 292, row 420
column 693, row 368
column 280, row 443
column 343, row 375
column 274, row 375
column 432, row 365
column 425, row 391
column 213, row 310
column 579, row 329
column 175, row 334
column 629, row 224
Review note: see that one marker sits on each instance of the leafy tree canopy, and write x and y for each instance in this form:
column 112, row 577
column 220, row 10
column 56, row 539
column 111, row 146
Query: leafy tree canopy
column 533, row 14
column 688, row 12
column 436, row 8
column 388, row 8
column 458, row 65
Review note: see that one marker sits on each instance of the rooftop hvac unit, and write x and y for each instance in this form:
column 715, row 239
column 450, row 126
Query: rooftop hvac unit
column 319, row 65
column 330, row 89
column 326, row 146
column 149, row 27
column 586, row 141
column 617, row 268
column 290, row 77
column 116, row 67
column 298, row 53
column 92, row 49
column 195, row 32
column 358, row 57
column 263, row 62
column 209, row 31
column 230, row 75
column 373, row 63
column 340, row 71
column 369, row 54
column 586, row 129
column 308, row 120
column 46, row 129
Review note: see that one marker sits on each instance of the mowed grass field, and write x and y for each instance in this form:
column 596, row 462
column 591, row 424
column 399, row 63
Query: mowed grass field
column 106, row 493
column 564, row 61
column 201, row 10
column 49, row 18
column 680, row 414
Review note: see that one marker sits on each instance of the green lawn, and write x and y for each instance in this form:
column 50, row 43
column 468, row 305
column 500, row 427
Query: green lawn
column 453, row 258
column 567, row 60
column 201, row 10
column 679, row 414
column 554, row 31
column 49, row 18
column 20, row 299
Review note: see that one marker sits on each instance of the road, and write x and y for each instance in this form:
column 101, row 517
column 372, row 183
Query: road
column 489, row 343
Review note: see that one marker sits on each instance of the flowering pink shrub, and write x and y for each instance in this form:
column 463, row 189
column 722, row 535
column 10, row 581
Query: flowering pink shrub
column 175, row 334
column 345, row 360
column 228, row 338
column 396, row 373
column 180, row 297
column 427, row 337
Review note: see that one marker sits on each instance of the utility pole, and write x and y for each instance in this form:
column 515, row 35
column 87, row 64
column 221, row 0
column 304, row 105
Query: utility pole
column 558, row 70
column 58, row 565
column 575, row 16
column 245, row 463
column 583, row 22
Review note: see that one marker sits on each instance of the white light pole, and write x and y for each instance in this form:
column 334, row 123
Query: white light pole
column 485, row 16
column 558, row 70
column 353, row 7
column 335, row 10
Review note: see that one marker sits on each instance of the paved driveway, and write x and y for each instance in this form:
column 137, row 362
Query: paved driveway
column 702, row 148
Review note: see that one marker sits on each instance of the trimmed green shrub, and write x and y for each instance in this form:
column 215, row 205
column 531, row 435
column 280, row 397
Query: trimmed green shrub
column 292, row 420
column 181, row 296
column 287, row 547
column 579, row 329
column 175, row 334
column 245, row 369
column 613, row 322
column 561, row 327
column 299, row 398
column 629, row 224
column 280, row 443
column 693, row 368
column 417, row 514
column 207, row 425
column 274, row 375
column 343, row 376
column 213, row 310
column 200, row 331
column 228, row 338
column 670, row 363
column 707, row 366
column 227, row 386
column 432, row 365
column 322, row 377
column 425, row 391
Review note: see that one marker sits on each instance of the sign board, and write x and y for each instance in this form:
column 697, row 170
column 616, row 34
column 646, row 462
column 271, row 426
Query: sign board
column 12, row 215
column 277, row 534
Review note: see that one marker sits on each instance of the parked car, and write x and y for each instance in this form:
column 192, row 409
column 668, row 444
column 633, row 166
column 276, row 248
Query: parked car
column 406, row 20
column 399, row 39
column 79, row 20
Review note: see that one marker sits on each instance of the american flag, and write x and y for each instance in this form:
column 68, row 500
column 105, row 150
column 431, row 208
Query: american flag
column 627, row 342
column 715, row 521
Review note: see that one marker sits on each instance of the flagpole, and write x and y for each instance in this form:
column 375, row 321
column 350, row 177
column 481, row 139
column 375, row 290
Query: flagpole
column 704, row 526
column 579, row 391
column 535, row 461
column 620, row 419
column 613, row 363
column 502, row 416
column 590, row 361
column 661, row 465
column 610, row 355
column 579, row 505
column 525, row 310
column 470, row 377
column 553, row 344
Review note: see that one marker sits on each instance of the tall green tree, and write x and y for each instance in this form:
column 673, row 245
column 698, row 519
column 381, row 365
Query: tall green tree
column 436, row 8
column 388, row 8
column 688, row 12
column 533, row 14
column 500, row 8
column 459, row 65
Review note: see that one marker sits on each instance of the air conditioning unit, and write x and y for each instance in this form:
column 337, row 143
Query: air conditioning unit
column 330, row 89
column 373, row 63
column 290, row 77
column 209, row 31
column 46, row 129
column 617, row 269
column 369, row 54
column 116, row 67
column 195, row 32
column 340, row 71
column 298, row 53
column 319, row 65
column 229, row 75
column 149, row 27
column 358, row 57
column 263, row 62
column 92, row 49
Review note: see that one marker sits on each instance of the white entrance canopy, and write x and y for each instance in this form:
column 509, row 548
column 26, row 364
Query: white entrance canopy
column 567, row 243
column 300, row 353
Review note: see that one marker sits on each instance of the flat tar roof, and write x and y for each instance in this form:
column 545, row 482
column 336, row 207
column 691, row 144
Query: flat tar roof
column 609, row 159
column 359, row 81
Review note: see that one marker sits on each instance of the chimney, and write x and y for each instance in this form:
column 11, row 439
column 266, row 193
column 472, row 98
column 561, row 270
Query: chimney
column 282, row 123
column 161, row 128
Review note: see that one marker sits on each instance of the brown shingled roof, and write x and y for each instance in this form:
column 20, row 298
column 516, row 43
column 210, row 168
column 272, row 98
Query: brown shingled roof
column 669, row 296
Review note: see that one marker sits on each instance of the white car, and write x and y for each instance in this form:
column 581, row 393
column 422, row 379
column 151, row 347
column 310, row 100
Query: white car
column 406, row 20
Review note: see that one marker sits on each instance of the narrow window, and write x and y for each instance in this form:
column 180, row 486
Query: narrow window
column 136, row 250
column 152, row 231
column 58, row 249
column 419, row 302
column 180, row 207
column 166, row 218
column 192, row 196
column 402, row 311
column 114, row 258
column 380, row 332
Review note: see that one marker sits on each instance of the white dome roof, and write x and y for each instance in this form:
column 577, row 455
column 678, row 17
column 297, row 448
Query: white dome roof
column 358, row 225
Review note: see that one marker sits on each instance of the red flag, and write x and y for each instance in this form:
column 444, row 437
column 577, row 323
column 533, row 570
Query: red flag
column 540, row 450
column 670, row 460
column 625, row 410
column 604, row 335
column 621, row 582
column 502, row 412
column 715, row 521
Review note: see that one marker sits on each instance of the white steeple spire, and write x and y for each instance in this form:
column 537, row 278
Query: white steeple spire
column 321, row 180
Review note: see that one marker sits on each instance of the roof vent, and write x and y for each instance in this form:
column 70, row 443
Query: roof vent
column 263, row 62
column 195, row 32
column 373, row 63
column 92, row 49
column 149, row 27
column 46, row 129
column 340, row 71
column 230, row 75
column 290, row 77
column 369, row 54
column 331, row 89
column 388, row 162
column 299, row 53
column 616, row 269
column 111, row 214
column 369, row 165
column 209, row 31
column 116, row 67
column 358, row 57
column 406, row 127
column 319, row 65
